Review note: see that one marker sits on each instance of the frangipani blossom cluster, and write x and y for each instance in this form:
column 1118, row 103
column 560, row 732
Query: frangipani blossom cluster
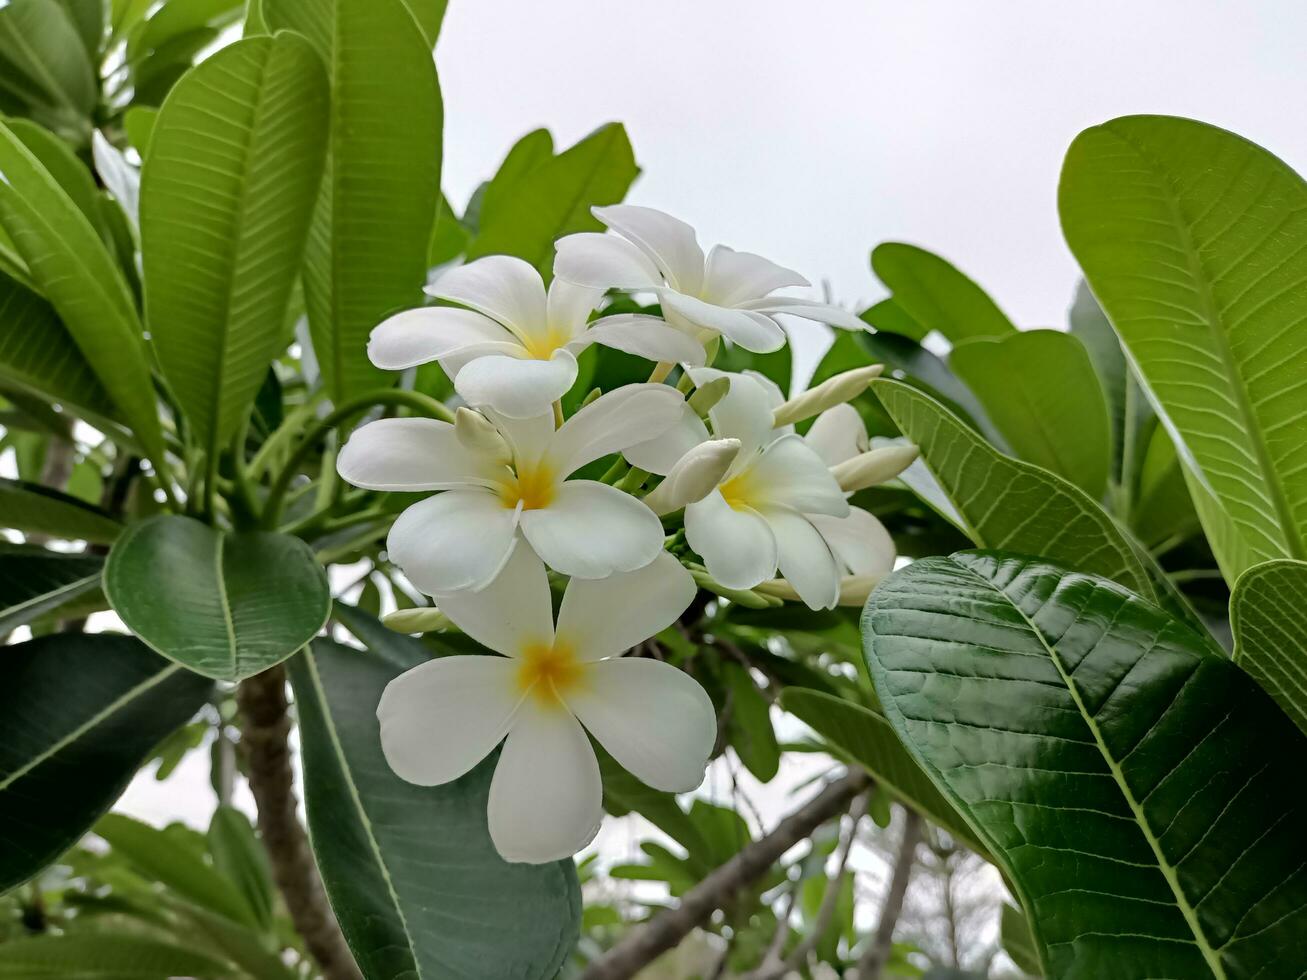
column 696, row 476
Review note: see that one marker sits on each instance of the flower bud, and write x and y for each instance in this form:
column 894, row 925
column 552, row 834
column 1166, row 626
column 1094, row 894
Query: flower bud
column 854, row 589
column 709, row 394
column 872, row 468
column 478, row 435
column 831, row 392
column 695, row 475
column 748, row 598
column 423, row 619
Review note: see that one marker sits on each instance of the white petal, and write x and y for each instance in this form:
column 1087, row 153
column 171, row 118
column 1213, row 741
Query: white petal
column 744, row 412
column 661, row 453
column 806, row 308
column 122, row 179
column 615, row 421
column 737, row 546
column 455, row 540
column 570, row 305
column 670, row 242
column 503, row 287
column 859, row 542
column 734, row 277
column 804, row 558
column 528, row 437
column 441, row 718
column 411, row 454
column 511, row 613
column 775, row 397
column 520, row 388
column 430, row 333
column 546, row 794
column 752, row 331
column 791, row 474
column 606, row 617
column 838, row 434
column 592, row 530
column 645, row 336
column 654, row 719
column 604, row 262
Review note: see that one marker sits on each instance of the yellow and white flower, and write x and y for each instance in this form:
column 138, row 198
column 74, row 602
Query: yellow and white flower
column 440, row 719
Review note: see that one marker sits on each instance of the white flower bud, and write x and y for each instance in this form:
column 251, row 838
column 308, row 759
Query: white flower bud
column 831, row 392
column 423, row 619
column 872, row 468
column 854, row 589
column 478, row 435
column 695, row 475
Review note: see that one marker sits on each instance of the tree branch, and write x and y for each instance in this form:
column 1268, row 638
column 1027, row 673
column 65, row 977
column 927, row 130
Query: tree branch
column 668, row 928
column 877, row 954
column 264, row 730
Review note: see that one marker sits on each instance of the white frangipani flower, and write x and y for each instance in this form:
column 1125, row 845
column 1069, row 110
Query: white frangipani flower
column 728, row 293
column 514, row 348
column 440, row 719
column 509, row 480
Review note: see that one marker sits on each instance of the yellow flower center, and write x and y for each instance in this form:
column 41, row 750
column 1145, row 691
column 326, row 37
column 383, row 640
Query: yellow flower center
column 548, row 671
column 542, row 346
column 740, row 490
column 532, row 486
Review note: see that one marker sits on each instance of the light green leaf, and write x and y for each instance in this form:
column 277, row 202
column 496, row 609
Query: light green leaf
column 751, row 730
column 1040, row 389
column 106, row 956
column 226, row 605
column 34, row 581
column 59, row 161
column 529, row 207
column 240, row 859
column 935, row 294
column 240, row 140
column 1268, row 614
column 889, row 315
column 534, row 149
column 93, row 705
column 367, row 250
column 34, row 509
column 72, row 268
column 44, row 66
column 411, row 872
column 1140, row 791
column 1195, row 242
column 138, row 122
column 863, row 736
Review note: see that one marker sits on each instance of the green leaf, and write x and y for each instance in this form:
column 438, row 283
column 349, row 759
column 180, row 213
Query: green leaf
column 752, row 734
column 1140, row 791
column 138, row 122
column 240, row 140
column 45, row 67
column 105, row 956
column 367, row 250
column 59, row 161
column 73, row 703
column 525, row 216
column 1014, row 932
column 34, row 581
column 429, row 14
column 34, row 509
column 72, row 268
column 88, row 16
column 163, row 858
column 411, row 872
column 1268, row 614
column 534, row 149
column 1195, row 242
column 623, row 794
column 889, row 315
column 936, row 295
column 864, row 737
column 226, row 605
column 1040, row 389
column 240, row 859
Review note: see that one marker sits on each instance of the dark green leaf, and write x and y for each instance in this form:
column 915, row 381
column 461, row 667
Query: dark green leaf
column 1014, row 932
column 78, row 714
column 239, row 858
column 226, row 605
column 751, row 730
column 889, row 315
column 34, row 509
column 34, row 581
column 935, row 294
column 1268, row 614
column 1139, row 790
column 106, row 956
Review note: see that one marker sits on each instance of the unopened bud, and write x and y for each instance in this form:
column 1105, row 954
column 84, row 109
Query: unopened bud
column 477, row 434
column 423, row 619
column 709, row 394
column 749, row 598
column 831, row 392
column 875, row 467
column 854, row 589
column 695, row 475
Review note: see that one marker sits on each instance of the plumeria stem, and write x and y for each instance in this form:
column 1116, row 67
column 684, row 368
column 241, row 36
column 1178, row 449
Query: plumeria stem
column 660, row 372
column 558, row 413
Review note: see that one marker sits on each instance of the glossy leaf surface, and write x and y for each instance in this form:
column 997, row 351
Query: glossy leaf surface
column 1268, row 614
column 34, row 580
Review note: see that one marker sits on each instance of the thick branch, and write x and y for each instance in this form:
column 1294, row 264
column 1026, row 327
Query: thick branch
column 872, row 963
column 264, row 730
column 668, row 928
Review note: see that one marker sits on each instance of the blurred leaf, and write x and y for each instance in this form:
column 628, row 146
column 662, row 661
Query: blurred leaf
column 34, row 580
column 936, row 295
column 1014, row 932
column 106, row 956
column 240, row 139
column 59, row 161
column 94, row 705
column 889, row 315
column 449, row 236
column 367, row 250
column 45, row 66
column 623, row 794
column 240, row 859
column 1040, row 389
column 1029, row 693
column 174, row 748
column 412, row 899
column 139, row 122
column 1268, row 613
column 248, row 599
column 1195, row 242
column 34, row 509
column 752, row 735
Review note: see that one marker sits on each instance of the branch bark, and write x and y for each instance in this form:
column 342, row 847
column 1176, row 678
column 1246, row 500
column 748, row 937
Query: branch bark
column 642, row 945
column 872, row 963
column 265, row 726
